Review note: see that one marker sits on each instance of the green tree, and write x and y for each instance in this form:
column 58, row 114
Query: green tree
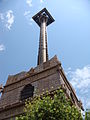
column 51, row 106
column 87, row 115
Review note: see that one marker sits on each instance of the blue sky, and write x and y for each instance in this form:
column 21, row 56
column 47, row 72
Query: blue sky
column 68, row 38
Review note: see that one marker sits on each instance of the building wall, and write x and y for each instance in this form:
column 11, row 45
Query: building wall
column 48, row 76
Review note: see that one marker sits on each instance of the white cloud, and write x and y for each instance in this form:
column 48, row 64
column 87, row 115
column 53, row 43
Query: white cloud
column 28, row 16
column 2, row 47
column 26, row 13
column 1, row 16
column 10, row 19
column 29, row 2
column 41, row 1
column 7, row 18
column 80, row 79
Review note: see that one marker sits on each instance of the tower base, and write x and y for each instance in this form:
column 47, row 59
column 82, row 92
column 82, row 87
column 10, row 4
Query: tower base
column 47, row 76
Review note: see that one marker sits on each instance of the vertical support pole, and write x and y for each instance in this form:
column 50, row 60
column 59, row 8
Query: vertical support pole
column 43, row 52
column 43, row 19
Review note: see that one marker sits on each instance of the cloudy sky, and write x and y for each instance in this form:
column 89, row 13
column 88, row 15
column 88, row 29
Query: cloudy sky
column 68, row 38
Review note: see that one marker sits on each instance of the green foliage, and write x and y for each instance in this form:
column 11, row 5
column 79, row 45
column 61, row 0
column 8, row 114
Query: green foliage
column 87, row 115
column 52, row 106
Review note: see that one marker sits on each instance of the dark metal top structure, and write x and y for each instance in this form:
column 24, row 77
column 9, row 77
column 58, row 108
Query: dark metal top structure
column 37, row 16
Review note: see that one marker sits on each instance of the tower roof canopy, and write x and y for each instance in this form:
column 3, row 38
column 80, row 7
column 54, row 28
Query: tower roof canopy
column 43, row 11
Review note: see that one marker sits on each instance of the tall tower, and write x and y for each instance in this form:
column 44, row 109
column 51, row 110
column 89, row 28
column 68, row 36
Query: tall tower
column 43, row 19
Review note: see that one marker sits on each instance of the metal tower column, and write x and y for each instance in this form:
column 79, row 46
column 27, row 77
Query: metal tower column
column 43, row 19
